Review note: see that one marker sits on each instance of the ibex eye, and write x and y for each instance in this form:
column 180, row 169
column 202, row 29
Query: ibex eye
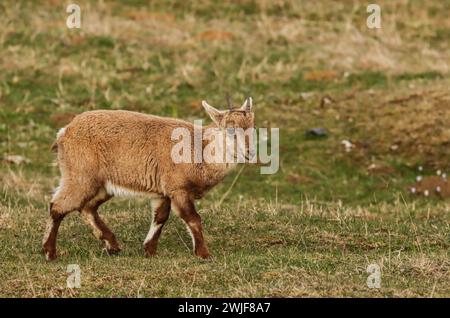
column 230, row 131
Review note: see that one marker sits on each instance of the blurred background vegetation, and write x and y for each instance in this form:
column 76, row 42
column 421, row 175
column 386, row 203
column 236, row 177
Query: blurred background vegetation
column 307, row 64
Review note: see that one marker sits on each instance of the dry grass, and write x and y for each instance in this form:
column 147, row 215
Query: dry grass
column 260, row 249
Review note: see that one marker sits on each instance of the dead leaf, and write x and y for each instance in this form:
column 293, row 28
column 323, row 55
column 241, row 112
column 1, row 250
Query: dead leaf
column 380, row 170
column 61, row 120
column 326, row 100
column 142, row 15
column 16, row 159
column 295, row 178
column 215, row 35
column 307, row 95
column 196, row 105
column 320, row 75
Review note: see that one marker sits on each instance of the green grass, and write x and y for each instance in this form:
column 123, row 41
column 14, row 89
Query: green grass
column 260, row 250
column 312, row 228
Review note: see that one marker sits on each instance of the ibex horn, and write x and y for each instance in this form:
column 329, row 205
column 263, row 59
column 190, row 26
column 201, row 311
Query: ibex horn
column 230, row 105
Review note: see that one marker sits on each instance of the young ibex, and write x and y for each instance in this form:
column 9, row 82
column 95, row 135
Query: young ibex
column 105, row 153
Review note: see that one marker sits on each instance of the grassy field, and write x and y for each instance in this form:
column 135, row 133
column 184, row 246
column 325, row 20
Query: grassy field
column 311, row 229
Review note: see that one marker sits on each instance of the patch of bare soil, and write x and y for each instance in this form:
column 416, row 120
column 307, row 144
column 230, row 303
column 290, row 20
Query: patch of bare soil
column 431, row 186
column 413, row 127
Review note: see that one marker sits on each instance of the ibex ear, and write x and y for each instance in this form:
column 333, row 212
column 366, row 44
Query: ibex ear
column 248, row 104
column 216, row 115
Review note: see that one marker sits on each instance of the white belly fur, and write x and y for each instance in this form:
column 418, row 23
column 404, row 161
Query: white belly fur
column 119, row 191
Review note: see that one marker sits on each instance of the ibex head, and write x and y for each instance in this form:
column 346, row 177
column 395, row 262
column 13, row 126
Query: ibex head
column 242, row 117
column 233, row 121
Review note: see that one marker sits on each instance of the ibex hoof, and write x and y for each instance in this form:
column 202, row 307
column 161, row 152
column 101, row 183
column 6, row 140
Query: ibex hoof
column 113, row 251
column 50, row 255
column 150, row 254
column 204, row 255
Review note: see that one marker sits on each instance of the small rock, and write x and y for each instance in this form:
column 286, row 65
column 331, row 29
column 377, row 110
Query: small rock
column 394, row 147
column 347, row 145
column 317, row 132
column 306, row 95
column 326, row 100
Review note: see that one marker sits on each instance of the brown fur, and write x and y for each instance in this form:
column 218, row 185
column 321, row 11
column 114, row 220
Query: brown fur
column 132, row 151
